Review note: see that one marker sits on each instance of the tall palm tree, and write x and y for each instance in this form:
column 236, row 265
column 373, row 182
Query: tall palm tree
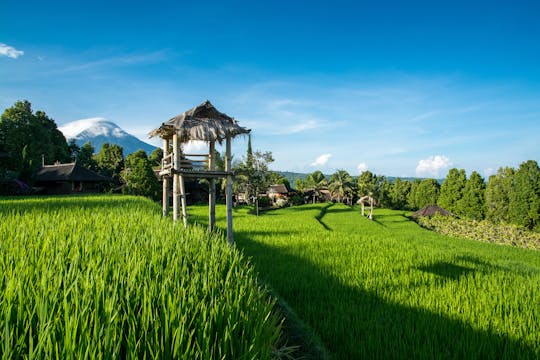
column 341, row 185
column 317, row 181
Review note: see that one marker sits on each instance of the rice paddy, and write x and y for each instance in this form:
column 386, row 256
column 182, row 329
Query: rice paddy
column 107, row 277
column 390, row 289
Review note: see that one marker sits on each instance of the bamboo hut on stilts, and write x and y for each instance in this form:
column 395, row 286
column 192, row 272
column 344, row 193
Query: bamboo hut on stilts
column 202, row 123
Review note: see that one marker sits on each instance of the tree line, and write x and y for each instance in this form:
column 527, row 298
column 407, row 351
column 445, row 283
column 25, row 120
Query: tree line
column 27, row 138
column 510, row 196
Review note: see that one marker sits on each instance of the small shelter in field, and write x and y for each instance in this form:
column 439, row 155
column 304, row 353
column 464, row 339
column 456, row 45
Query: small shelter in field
column 201, row 123
column 70, row 178
column 431, row 210
column 367, row 200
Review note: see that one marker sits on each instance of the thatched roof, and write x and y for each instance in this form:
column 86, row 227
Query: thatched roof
column 67, row 172
column 203, row 123
column 430, row 210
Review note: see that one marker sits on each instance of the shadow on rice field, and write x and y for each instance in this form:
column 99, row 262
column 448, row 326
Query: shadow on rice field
column 361, row 324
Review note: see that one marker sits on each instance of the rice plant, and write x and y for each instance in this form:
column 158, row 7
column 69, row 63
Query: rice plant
column 389, row 289
column 108, row 277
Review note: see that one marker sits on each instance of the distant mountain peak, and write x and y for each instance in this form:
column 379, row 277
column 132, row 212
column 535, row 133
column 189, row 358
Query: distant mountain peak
column 99, row 130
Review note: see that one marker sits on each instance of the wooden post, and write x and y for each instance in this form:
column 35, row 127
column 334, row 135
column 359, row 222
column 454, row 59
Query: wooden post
column 166, row 182
column 184, row 202
column 362, row 208
column 175, row 167
column 228, row 194
column 211, row 188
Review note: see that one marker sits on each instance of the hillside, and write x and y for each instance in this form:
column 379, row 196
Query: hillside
column 292, row 176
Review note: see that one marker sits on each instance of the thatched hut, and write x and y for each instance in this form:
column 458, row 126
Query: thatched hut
column 431, row 210
column 201, row 123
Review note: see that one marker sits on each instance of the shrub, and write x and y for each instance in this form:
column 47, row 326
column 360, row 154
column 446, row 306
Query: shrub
column 482, row 230
column 297, row 200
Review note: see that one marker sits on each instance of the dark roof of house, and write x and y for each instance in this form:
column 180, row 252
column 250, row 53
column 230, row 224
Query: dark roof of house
column 279, row 189
column 68, row 172
column 430, row 210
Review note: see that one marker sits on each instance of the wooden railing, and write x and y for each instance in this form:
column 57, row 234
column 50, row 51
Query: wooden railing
column 194, row 162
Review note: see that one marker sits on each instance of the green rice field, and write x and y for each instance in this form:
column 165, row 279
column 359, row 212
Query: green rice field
column 107, row 277
column 389, row 289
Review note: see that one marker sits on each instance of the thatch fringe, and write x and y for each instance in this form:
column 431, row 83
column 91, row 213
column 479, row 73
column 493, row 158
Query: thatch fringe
column 203, row 123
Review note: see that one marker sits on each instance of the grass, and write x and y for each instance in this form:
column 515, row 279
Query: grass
column 107, row 277
column 390, row 289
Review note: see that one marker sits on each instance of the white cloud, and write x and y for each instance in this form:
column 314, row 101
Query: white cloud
column 195, row 147
column 10, row 51
column 432, row 165
column 303, row 126
column 321, row 160
column 361, row 167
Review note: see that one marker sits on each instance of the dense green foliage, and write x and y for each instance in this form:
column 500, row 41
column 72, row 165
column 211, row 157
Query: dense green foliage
column 473, row 202
column 27, row 136
column 390, row 289
column 367, row 184
column 110, row 162
column 423, row 192
column 482, row 230
column 139, row 176
column 252, row 174
column 524, row 207
column 341, row 186
column 498, row 191
column 398, row 194
column 108, row 277
column 452, row 190
column 85, row 157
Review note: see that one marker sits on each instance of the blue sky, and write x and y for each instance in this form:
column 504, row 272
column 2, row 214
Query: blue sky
column 399, row 88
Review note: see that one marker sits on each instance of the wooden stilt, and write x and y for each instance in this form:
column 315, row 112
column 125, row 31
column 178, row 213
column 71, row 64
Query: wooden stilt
column 184, row 202
column 176, row 166
column 211, row 188
column 228, row 194
column 166, row 181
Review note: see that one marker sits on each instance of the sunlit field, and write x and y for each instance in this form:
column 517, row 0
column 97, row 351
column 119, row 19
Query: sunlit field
column 389, row 289
column 108, row 277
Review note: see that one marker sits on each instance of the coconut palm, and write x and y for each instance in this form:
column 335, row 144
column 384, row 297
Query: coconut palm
column 316, row 181
column 341, row 185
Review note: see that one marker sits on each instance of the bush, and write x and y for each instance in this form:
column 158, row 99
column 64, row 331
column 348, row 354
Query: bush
column 264, row 202
column 482, row 230
column 297, row 200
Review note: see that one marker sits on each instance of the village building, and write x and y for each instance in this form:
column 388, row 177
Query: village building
column 70, row 178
